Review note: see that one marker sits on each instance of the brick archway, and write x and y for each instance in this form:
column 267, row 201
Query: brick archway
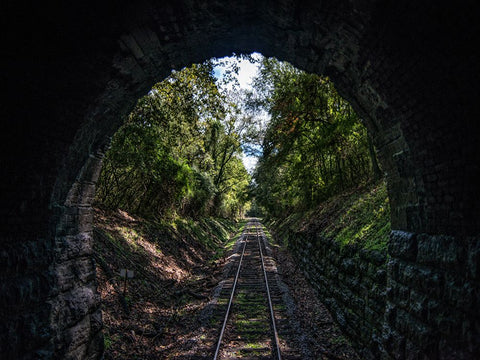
column 73, row 74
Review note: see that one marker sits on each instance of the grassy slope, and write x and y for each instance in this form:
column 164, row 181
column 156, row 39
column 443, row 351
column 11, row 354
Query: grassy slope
column 174, row 265
column 360, row 217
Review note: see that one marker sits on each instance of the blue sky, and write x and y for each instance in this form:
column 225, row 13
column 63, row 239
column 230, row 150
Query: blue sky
column 246, row 72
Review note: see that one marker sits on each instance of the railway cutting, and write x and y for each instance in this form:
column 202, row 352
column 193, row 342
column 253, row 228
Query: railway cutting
column 255, row 321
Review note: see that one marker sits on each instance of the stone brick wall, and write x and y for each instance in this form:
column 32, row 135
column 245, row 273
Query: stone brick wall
column 25, row 282
column 352, row 284
column 75, row 317
column 433, row 294
column 418, row 301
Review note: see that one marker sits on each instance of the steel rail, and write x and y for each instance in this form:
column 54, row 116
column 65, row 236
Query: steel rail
column 230, row 301
column 267, row 288
column 272, row 316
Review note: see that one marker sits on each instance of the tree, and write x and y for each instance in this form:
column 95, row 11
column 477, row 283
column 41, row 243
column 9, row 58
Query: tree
column 175, row 153
column 314, row 146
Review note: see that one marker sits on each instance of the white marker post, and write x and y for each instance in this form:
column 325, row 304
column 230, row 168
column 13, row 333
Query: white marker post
column 126, row 274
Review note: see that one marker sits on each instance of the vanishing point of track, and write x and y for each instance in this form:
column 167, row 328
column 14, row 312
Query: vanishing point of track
column 249, row 328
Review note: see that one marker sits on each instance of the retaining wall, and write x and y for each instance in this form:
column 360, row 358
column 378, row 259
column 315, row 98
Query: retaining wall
column 352, row 284
column 419, row 300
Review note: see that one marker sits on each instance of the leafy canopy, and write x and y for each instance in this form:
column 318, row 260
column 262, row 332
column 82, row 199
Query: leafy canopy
column 314, row 145
column 179, row 151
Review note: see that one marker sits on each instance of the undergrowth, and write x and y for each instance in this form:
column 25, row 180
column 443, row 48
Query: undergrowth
column 364, row 220
column 174, row 263
column 360, row 217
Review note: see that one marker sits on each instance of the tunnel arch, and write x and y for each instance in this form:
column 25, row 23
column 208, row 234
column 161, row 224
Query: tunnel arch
column 403, row 66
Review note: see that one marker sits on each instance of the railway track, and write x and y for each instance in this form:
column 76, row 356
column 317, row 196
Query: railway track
column 255, row 324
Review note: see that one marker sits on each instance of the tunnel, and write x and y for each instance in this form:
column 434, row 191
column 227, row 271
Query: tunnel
column 72, row 72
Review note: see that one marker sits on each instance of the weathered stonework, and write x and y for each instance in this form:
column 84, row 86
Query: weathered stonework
column 420, row 301
column 76, row 318
column 432, row 297
column 73, row 72
column 352, row 283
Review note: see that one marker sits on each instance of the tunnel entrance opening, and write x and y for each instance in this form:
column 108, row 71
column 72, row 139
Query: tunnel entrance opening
column 404, row 66
column 176, row 122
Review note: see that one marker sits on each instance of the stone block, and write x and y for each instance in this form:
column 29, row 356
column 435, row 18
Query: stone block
column 380, row 277
column 348, row 266
column 439, row 251
column 414, row 216
column 418, row 305
column 403, row 245
column 363, row 268
column 358, row 304
column 377, row 257
column 392, row 269
column 404, row 163
column 74, row 305
column 76, row 219
column 96, row 323
column 398, row 294
column 473, row 258
column 390, row 314
column 352, row 283
column 77, row 338
column 407, row 273
column 72, row 246
column 81, row 193
column 459, row 293
column 430, row 281
column 71, row 272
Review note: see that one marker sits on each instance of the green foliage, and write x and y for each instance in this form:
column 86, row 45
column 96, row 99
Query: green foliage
column 107, row 341
column 364, row 219
column 360, row 217
column 314, row 146
column 178, row 152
